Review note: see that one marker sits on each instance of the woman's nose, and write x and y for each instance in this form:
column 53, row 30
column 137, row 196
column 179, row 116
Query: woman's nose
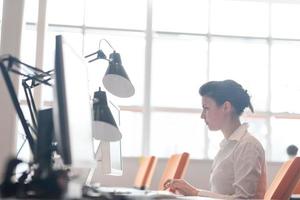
column 202, row 115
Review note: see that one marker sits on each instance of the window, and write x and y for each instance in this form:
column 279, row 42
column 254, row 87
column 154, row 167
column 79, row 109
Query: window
column 284, row 20
column 130, row 14
column 186, row 43
column 231, row 17
column 285, row 88
column 188, row 16
column 175, row 60
column 244, row 61
column 60, row 12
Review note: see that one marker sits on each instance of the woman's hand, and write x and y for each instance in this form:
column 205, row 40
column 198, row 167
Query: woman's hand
column 181, row 186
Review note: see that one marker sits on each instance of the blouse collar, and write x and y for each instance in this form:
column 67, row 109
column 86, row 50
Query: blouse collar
column 236, row 135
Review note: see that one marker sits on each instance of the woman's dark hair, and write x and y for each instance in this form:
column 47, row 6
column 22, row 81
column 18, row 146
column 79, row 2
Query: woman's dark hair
column 227, row 90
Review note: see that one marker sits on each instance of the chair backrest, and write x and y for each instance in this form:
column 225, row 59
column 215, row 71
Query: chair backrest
column 285, row 180
column 297, row 188
column 175, row 168
column 145, row 172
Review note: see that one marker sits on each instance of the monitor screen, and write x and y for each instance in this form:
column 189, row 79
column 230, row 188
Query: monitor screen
column 72, row 115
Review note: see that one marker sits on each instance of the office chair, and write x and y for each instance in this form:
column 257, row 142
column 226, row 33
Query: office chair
column 285, row 180
column 175, row 168
column 297, row 188
column 145, row 172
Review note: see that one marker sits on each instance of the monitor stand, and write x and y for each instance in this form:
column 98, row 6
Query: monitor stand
column 44, row 145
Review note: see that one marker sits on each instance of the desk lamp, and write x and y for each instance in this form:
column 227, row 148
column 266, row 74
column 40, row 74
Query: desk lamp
column 103, row 119
column 28, row 84
column 37, row 185
column 12, row 64
column 117, row 82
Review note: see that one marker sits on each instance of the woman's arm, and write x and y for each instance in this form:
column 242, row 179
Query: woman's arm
column 249, row 171
column 183, row 187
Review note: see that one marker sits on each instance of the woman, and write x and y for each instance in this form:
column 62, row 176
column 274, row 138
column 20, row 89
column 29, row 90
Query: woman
column 239, row 169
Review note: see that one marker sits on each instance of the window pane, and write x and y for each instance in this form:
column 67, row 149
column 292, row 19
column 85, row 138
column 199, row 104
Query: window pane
column 237, row 17
column 131, row 129
column 285, row 77
column 130, row 14
column 285, row 20
column 31, row 11
column 182, row 16
column 28, row 49
column 244, row 61
column 284, row 133
column 67, row 12
column 169, row 137
column 132, row 50
column 179, row 67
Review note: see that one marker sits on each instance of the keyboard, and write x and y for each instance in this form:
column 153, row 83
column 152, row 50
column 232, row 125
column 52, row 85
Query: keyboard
column 161, row 194
column 127, row 193
column 106, row 193
column 120, row 190
column 130, row 193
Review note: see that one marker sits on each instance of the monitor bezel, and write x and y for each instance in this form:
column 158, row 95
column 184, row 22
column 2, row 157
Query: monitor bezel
column 60, row 109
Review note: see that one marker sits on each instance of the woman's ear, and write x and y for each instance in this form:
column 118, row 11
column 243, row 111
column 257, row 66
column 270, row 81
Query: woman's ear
column 227, row 106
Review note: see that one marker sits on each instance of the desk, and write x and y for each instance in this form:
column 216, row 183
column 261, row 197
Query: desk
column 295, row 197
column 135, row 194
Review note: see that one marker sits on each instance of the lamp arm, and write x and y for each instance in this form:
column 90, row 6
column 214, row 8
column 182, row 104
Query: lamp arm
column 33, row 69
column 29, row 97
column 17, row 106
column 11, row 64
column 14, row 65
column 38, row 79
column 31, row 77
column 89, row 55
column 31, row 104
column 107, row 43
column 100, row 55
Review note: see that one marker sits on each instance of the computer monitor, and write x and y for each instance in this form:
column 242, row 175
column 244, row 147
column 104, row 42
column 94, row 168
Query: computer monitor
column 72, row 115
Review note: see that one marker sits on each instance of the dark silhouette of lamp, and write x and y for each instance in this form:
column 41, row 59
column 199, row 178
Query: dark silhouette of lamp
column 104, row 125
column 115, row 80
column 12, row 64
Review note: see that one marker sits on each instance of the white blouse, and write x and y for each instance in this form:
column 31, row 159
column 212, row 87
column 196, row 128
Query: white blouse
column 239, row 169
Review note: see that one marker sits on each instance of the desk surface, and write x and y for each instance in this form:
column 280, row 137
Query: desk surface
column 132, row 193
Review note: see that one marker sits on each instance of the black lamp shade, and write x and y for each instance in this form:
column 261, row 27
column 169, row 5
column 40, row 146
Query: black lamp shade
column 116, row 80
column 104, row 124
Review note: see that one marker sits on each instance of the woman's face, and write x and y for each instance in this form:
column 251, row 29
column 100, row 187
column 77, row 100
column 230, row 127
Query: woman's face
column 212, row 113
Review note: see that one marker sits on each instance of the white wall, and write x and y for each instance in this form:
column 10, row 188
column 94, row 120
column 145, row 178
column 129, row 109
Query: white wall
column 197, row 173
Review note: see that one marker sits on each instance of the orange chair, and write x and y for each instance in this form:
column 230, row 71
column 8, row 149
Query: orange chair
column 175, row 168
column 297, row 188
column 145, row 172
column 285, row 180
